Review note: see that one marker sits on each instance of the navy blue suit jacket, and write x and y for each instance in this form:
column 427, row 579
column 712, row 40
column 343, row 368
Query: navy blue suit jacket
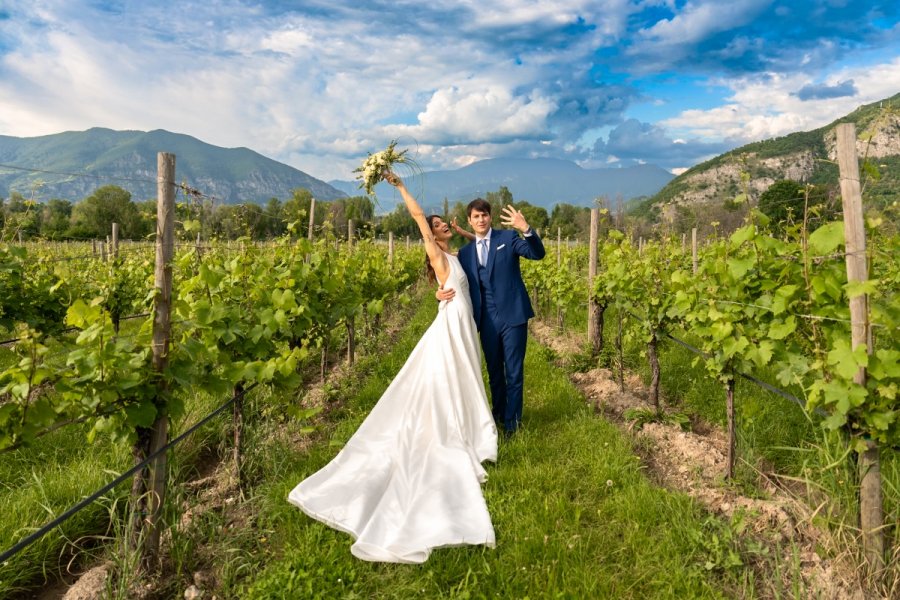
column 504, row 273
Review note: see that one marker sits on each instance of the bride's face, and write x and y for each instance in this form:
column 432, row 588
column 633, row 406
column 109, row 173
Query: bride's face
column 440, row 229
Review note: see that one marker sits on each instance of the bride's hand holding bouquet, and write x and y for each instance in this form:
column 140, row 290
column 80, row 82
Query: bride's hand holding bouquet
column 377, row 167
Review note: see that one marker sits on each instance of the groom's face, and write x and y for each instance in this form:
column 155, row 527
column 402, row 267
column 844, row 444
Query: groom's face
column 480, row 222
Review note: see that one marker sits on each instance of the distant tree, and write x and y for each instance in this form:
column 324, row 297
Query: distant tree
column 399, row 222
column 232, row 221
column 536, row 216
column 571, row 221
column 785, row 201
column 254, row 219
column 458, row 211
column 55, row 218
column 273, row 225
column 20, row 219
column 498, row 200
column 296, row 210
column 359, row 208
column 93, row 217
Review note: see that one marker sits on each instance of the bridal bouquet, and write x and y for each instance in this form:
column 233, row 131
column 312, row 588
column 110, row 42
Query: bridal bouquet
column 377, row 165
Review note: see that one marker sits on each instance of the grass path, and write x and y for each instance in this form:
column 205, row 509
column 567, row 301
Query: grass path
column 574, row 515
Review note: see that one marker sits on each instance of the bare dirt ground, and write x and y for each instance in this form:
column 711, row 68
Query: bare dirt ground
column 693, row 462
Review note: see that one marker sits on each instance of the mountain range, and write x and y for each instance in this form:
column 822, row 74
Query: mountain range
column 71, row 165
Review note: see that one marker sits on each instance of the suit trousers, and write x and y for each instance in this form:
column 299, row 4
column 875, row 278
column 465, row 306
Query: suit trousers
column 504, row 353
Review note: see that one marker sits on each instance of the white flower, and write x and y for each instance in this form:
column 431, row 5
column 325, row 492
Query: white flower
column 376, row 165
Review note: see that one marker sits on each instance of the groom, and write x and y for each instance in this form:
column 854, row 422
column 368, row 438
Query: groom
column 500, row 303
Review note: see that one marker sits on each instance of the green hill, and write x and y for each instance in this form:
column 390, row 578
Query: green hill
column 72, row 164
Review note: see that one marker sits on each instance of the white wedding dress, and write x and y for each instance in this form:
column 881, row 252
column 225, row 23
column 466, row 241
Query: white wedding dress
column 408, row 481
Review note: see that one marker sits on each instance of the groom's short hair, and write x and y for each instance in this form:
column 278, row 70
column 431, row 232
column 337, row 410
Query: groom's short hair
column 479, row 204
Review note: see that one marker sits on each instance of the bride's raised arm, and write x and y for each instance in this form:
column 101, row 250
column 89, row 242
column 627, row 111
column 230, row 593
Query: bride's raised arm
column 435, row 254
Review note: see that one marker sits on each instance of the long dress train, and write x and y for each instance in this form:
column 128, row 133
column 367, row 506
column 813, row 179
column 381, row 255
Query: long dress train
column 408, row 480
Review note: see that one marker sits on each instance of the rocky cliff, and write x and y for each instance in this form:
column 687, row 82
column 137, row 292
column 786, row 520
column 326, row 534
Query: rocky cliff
column 804, row 157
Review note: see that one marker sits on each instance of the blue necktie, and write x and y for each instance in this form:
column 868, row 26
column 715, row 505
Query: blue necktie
column 482, row 259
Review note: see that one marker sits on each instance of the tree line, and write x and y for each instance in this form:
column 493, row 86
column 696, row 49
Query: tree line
column 56, row 219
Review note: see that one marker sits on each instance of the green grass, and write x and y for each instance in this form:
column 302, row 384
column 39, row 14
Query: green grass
column 45, row 479
column 574, row 514
column 41, row 482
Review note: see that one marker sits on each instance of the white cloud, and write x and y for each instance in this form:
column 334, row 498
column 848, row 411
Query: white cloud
column 766, row 107
column 289, row 41
column 700, row 19
column 473, row 116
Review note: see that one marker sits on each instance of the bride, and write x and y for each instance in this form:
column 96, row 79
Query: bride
column 408, row 480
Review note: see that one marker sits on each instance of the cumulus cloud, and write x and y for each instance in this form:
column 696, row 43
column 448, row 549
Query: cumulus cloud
column 454, row 116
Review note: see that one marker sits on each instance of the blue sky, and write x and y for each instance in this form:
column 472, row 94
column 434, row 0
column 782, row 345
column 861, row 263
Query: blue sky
column 317, row 84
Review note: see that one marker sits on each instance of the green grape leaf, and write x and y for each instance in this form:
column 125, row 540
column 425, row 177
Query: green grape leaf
column 827, row 239
column 141, row 414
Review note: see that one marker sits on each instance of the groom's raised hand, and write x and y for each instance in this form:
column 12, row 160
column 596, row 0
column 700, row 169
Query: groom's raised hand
column 514, row 218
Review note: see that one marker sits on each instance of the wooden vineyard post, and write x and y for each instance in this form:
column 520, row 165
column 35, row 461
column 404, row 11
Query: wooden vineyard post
column 653, row 359
column 351, row 321
column 559, row 314
column 237, row 427
column 558, row 246
column 351, row 340
column 114, row 251
column 729, row 409
column 595, row 316
column 390, row 248
column 871, row 515
column 694, row 250
column 159, row 434
column 312, row 219
column 621, row 352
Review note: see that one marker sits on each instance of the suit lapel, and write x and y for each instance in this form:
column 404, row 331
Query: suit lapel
column 472, row 257
column 492, row 253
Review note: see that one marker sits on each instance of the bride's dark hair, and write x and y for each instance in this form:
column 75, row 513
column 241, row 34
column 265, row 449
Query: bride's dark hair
column 429, row 270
